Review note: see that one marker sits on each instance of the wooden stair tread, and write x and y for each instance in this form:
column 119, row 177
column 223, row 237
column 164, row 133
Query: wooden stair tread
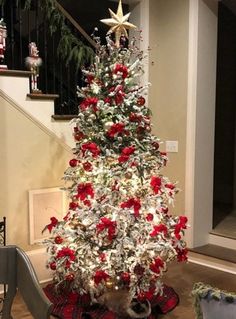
column 41, row 96
column 18, row 73
column 64, row 117
column 216, row 252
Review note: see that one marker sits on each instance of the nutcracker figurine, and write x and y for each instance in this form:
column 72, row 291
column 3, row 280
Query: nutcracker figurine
column 3, row 35
column 33, row 62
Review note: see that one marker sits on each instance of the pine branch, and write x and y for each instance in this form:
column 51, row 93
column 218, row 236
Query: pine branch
column 70, row 48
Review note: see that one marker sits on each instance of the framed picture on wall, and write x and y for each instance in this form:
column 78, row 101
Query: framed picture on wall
column 44, row 204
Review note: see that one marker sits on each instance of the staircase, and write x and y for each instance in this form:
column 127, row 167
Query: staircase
column 14, row 86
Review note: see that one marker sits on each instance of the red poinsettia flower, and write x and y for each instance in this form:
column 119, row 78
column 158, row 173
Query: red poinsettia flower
column 109, row 225
column 90, row 147
column 73, row 205
column 121, row 69
column 53, row 223
column 161, row 228
column 118, row 94
column 84, row 190
column 117, row 128
column 99, row 276
column 128, row 150
column 155, row 184
column 157, row 264
column 170, row 186
column 180, row 226
column 132, row 202
column 66, row 252
column 123, row 158
column 87, row 203
column 125, row 154
column 89, row 101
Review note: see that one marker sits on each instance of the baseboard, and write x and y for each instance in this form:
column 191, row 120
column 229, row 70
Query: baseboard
column 212, row 262
column 223, row 241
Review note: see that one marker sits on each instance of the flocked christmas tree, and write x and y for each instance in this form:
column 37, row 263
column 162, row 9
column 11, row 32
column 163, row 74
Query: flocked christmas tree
column 118, row 233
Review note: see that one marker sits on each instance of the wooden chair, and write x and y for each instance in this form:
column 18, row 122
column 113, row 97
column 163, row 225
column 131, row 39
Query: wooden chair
column 17, row 272
column 213, row 303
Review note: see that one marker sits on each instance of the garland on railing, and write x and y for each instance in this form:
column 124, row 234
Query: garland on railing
column 69, row 47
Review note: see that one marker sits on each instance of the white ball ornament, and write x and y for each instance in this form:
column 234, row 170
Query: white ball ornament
column 108, row 125
column 92, row 117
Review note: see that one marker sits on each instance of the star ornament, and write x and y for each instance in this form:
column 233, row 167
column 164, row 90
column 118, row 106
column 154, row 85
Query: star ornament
column 118, row 23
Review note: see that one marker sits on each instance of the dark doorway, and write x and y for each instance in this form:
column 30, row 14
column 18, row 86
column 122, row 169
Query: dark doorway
column 225, row 123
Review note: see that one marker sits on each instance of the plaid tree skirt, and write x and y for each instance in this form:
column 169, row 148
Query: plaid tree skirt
column 72, row 306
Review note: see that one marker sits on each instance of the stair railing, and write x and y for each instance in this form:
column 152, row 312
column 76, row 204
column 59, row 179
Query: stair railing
column 62, row 43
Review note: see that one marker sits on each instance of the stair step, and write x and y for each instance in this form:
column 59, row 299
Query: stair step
column 64, row 117
column 41, row 96
column 18, row 73
column 215, row 251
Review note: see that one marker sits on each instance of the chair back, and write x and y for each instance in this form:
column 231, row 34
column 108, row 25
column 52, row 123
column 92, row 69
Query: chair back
column 17, row 272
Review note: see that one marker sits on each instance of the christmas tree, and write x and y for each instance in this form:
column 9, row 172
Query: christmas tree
column 118, row 233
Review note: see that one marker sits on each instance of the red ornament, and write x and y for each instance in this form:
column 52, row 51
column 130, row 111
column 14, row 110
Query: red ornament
column 139, row 270
column 125, row 276
column 155, row 145
column 52, row 265
column 78, row 136
column 88, row 167
column 70, row 277
column 58, row 239
column 73, row 162
column 141, row 101
column 149, row 217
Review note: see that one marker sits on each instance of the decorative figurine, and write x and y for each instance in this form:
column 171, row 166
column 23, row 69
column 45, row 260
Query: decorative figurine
column 3, row 35
column 33, row 62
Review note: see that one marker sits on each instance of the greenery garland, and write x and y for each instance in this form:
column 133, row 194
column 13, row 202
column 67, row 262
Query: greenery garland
column 69, row 47
column 203, row 291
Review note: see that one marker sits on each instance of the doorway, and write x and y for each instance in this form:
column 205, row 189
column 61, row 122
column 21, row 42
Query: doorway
column 224, row 195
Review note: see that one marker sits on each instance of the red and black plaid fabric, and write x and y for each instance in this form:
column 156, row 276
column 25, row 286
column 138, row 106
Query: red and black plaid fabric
column 73, row 306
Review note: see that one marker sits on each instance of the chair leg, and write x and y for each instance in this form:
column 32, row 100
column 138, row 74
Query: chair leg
column 7, row 304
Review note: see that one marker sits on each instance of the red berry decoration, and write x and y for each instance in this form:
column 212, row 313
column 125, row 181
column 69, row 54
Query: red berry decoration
column 58, row 240
column 141, row 101
column 53, row 265
column 73, row 162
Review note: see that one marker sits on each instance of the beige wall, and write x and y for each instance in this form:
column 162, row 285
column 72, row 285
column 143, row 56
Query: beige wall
column 30, row 158
column 168, row 71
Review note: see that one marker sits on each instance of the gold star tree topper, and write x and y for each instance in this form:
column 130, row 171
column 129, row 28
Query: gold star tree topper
column 118, row 23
